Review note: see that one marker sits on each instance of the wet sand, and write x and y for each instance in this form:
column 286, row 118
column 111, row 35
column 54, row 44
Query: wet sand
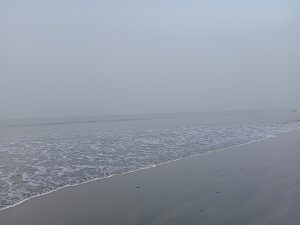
column 254, row 184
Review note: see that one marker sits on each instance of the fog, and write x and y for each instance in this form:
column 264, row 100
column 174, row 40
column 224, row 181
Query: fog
column 75, row 58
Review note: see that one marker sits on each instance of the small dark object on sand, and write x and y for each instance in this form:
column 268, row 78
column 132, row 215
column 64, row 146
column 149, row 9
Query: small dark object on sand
column 217, row 192
column 137, row 187
column 200, row 210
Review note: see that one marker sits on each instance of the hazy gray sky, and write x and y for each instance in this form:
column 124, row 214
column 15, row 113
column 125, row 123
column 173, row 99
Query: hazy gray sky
column 71, row 58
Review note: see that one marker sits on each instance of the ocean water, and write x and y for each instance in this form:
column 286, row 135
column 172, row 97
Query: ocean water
column 39, row 156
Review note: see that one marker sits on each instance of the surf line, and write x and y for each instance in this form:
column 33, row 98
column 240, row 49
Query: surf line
column 232, row 147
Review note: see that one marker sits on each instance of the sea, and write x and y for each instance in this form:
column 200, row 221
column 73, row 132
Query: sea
column 38, row 156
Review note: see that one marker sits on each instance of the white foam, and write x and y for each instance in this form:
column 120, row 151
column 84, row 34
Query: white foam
column 67, row 161
column 133, row 171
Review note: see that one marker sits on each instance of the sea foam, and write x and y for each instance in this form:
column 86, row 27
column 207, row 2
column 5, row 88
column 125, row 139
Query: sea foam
column 33, row 165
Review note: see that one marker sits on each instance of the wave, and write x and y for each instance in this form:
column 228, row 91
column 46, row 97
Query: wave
column 54, row 123
column 34, row 166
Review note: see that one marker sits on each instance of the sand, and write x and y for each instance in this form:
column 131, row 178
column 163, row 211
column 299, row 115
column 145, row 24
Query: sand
column 257, row 184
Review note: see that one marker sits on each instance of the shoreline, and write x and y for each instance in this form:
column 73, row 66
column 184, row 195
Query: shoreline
column 254, row 183
column 144, row 168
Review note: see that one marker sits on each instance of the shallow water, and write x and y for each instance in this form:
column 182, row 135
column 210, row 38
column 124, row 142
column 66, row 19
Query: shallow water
column 41, row 156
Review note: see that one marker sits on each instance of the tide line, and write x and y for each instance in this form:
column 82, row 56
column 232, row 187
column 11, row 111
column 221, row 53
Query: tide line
column 145, row 168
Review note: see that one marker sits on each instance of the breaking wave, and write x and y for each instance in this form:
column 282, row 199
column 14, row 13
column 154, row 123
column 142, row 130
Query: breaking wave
column 30, row 166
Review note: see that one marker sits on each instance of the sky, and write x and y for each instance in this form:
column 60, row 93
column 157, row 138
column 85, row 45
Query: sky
column 76, row 58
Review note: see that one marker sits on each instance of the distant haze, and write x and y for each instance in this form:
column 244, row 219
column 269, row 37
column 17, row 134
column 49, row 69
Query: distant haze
column 73, row 58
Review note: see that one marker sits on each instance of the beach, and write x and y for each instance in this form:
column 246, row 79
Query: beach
column 149, row 112
column 256, row 183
